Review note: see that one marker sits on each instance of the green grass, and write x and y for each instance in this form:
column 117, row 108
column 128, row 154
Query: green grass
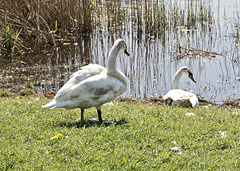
column 140, row 138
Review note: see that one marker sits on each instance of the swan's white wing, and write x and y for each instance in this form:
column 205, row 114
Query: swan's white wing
column 92, row 92
column 83, row 74
column 180, row 96
column 88, row 71
column 174, row 94
column 76, row 78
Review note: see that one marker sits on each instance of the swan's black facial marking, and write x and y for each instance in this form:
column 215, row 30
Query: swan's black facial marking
column 190, row 75
column 121, row 44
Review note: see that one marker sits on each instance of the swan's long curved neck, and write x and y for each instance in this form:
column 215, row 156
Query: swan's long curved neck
column 176, row 80
column 111, row 65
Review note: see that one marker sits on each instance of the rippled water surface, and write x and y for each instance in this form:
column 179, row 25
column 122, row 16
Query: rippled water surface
column 209, row 46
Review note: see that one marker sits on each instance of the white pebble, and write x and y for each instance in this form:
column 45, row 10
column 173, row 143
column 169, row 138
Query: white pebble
column 190, row 114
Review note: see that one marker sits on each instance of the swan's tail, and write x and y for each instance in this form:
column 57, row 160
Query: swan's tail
column 51, row 105
column 194, row 101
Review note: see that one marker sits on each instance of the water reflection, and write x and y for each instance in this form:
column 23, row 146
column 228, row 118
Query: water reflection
column 209, row 47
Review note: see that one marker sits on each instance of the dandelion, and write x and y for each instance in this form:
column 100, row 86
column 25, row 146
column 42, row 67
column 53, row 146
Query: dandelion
column 59, row 135
column 56, row 136
column 53, row 138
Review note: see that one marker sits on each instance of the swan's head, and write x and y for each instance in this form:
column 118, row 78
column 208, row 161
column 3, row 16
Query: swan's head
column 187, row 72
column 121, row 44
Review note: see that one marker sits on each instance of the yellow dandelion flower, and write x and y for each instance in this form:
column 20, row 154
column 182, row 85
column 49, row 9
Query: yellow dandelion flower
column 59, row 135
column 54, row 138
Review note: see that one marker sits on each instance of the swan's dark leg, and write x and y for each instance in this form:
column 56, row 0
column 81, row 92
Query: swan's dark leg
column 99, row 115
column 82, row 116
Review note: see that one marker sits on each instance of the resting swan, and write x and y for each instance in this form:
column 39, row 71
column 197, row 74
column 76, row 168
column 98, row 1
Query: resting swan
column 178, row 97
column 93, row 85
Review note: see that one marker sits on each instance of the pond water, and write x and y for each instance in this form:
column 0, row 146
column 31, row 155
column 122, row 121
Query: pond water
column 209, row 46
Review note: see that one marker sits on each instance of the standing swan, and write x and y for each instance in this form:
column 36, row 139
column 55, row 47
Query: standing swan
column 179, row 97
column 93, row 85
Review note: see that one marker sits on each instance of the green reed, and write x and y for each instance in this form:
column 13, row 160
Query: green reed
column 46, row 22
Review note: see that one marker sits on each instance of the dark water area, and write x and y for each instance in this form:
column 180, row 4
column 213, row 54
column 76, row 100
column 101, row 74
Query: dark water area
column 208, row 43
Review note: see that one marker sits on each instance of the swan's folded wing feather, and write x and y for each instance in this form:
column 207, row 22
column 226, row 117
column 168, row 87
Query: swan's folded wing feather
column 84, row 73
column 174, row 94
column 181, row 95
column 91, row 92
column 88, row 71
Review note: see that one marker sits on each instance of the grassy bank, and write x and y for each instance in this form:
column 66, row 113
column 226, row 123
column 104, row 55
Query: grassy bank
column 142, row 137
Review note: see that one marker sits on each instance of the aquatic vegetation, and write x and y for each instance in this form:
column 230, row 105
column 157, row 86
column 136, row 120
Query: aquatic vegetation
column 26, row 92
column 60, row 36
column 49, row 22
column 8, row 37
column 5, row 93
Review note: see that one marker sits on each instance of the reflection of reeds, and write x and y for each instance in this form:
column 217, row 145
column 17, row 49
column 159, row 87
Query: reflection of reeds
column 34, row 22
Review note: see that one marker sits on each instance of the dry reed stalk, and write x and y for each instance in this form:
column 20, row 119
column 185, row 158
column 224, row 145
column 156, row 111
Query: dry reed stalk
column 44, row 21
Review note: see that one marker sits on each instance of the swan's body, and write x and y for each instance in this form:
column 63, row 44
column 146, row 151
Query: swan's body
column 93, row 85
column 178, row 97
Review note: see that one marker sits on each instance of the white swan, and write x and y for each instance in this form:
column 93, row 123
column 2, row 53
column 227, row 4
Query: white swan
column 93, row 85
column 178, row 97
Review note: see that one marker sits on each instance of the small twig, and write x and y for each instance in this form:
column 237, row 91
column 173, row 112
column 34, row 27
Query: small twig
column 196, row 52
